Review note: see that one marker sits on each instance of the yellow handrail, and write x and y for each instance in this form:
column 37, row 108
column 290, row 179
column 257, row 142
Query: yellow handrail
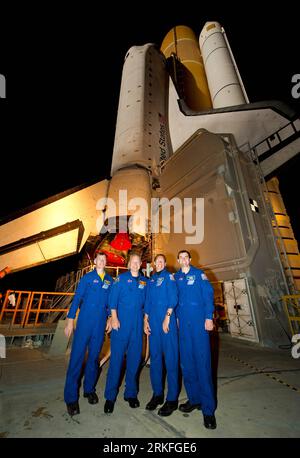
column 27, row 310
column 291, row 305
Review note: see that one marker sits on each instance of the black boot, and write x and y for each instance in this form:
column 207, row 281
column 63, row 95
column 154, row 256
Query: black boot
column 187, row 407
column 133, row 402
column 73, row 408
column 168, row 408
column 109, row 406
column 154, row 402
column 210, row 421
column 92, row 398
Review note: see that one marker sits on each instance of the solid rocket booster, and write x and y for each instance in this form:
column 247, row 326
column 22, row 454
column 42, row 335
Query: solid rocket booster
column 224, row 82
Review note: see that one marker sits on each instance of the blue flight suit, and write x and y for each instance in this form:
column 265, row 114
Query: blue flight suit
column 195, row 305
column 128, row 295
column 92, row 297
column 161, row 296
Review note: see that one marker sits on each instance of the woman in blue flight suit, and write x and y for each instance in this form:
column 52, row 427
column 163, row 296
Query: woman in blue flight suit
column 92, row 296
column 195, row 312
column 126, row 304
column 160, row 325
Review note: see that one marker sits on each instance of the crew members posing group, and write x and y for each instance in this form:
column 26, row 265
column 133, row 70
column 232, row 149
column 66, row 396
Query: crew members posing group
column 178, row 312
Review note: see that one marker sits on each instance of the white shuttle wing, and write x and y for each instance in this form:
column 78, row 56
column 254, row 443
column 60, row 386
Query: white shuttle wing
column 52, row 229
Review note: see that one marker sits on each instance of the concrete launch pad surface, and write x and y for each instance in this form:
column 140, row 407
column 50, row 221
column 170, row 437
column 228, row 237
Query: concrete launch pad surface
column 250, row 403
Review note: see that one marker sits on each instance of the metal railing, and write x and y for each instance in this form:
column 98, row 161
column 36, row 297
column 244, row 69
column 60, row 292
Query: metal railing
column 39, row 308
column 30, row 304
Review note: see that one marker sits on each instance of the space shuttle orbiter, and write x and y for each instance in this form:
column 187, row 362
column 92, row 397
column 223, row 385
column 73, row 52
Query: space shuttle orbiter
column 189, row 168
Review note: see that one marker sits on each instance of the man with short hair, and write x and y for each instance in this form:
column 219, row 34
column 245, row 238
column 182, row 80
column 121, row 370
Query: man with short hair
column 126, row 304
column 161, row 327
column 195, row 319
column 93, row 320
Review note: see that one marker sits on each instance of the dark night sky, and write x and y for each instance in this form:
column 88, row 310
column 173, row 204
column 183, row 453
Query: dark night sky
column 63, row 72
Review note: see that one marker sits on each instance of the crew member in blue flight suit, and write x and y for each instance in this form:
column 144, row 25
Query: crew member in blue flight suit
column 161, row 327
column 92, row 297
column 194, row 313
column 126, row 304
